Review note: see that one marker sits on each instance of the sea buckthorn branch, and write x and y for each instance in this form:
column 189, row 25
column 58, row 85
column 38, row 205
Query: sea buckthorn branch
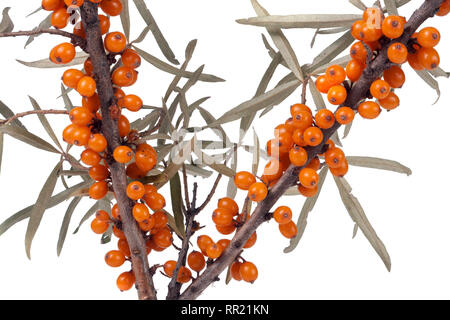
column 27, row 113
column 101, row 68
column 358, row 92
column 76, row 40
column 191, row 212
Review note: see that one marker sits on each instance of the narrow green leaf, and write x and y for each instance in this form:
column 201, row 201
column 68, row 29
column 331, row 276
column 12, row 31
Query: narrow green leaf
column 1, row 150
column 125, row 18
column 307, row 208
column 358, row 216
column 378, row 163
column 44, row 25
column 429, row 80
column 172, row 224
column 270, row 98
column 27, row 137
column 359, row 4
column 172, row 70
column 160, row 40
column 66, row 99
column 281, row 42
column 256, row 156
column 92, row 210
column 54, row 201
column 106, row 237
column 47, row 64
column 332, row 51
column 142, row 35
column 39, row 208
column 8, row 113
column 45, row 123
column 313, row 21
column 391, row 7
column 149, row 120
column 347, row 129
column 6, row 25
column 65, row 224
column 33, row 12
column 231, row 187
column 319, row 102
column 176, row 199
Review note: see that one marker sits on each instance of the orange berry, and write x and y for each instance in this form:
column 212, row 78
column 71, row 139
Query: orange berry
column 125, row 281
column 297, row 136
column 302, row 119
column 354, row 70
column 115, row 42
column 391, row 102
column 380, row 89
column 123, row 154
column 224, row 243
column 131, row 59
column 99, row 172
column 358, row 52
column 97, row 142
column 393, row 27
column 184, row 275
column 222, row 217
column 135, row 190
column 248, row 272
column 229, row 204
column 169, row 267
column 369, row 110
column 104, row 23
column 91, row 103
column 314, row 164
column 161, row 219
column 251, row 241
column 132, row 102
column 324, row 119
column 102, row 215
column 145, row 157
column 86, row 86
column 235, row 271
column 71, row 77
column 111, row 7
column 124, row 126
column 114, row 258
column 298, row 156
column 429, row 37
column 288, row 230
column 371, row 33
column 357, row 29
column 307, row 192
column 313, row 136
column 90, row 157
column 322, row 84
column 62, row 53
column 115, row 212
column 299, row 107
column 203, row 242
column 334, row 157
column 99, row 226
column 335, row 75
column 80, row 116
column 308, row 177
column 272, row 171
column 444, row 9
column 196, row 261
column 413, row 60
column 283, row 129
column 52, row 5
column 163, row 238
column 214, row 251
column 257, row 192
column 155, row 201
column 118, row 233
column 60, row 18
column 134, row 172
column 340, row 171
column 429, row 58
column 282, row 215
column 140, row 212
column 98, row 190
column 244, row 179
column 345, row 115
column 81, row 135
column 124, row 76
column 397, row 53
column 226, row 229
column 147, row 224
column 337, row 95
column 394, row 76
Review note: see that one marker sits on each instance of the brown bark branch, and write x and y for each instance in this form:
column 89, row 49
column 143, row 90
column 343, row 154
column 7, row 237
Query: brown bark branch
column 76, row 40
column 357, row 93
column 135, row 239
column 27, row 113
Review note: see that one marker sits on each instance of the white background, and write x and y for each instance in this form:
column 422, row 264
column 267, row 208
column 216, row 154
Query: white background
column 410, row 214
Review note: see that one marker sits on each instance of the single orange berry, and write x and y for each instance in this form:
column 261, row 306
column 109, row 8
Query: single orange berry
column 98, row 190
column 288, row 230
column 314, row 164
column 99, row 226
column 132, row 102
column 369, row 110
column 394, row 76
column 97, row 142
column 125, row 281
column 334, row 157
column 358, row 52
column 80, row 116
column 124, row 76
column 161, row 219
column 111, row 7
column 357, row 29
column 203, row 242
column 60, row 18
column 429, row 37
column 235, row 271
column 130, row 58
column 248, row 272
column 354, row 70
column 380, row 89
column 226, row 229
column 102, row 215
column 335, row 75
column 230, row 204
column 90, row 157
column 140, row 212
column 71, row 77
column 214, row 251
column 324, row 119
column 307, row 192
column 298, row 156
column 308, row 177
column 302, row 120
column 104, row 23
column 391, row 102
column 393, row 27
column 322, row 84
column 115, row 42
column 282, row 215
column 123, row 154
column 340, row 171
column 114, row 258
column 397, row 53
column 196, row 261
column 99, row 172
column 345, row 115
column 135, row 190
column 62, row 53
column 337, row 95
column 244, row 179
column 429, row 58
column 124, row 126
column 313, row 136
column 91, row 103
column 163, row 238
column 81, row 135
column 222, row 217
column 169, row 267
column 86, row 86
column 155, row 201
column 257, row 192
column 123, row 247
column 52, row 5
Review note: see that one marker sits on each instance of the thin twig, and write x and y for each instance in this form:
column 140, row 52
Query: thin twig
column 76, row 40
column 211, row 194
column 24, row 114
column 186, row 191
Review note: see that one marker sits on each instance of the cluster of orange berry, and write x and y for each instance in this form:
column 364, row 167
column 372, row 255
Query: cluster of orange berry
column 373, row 30
column 85, row 131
